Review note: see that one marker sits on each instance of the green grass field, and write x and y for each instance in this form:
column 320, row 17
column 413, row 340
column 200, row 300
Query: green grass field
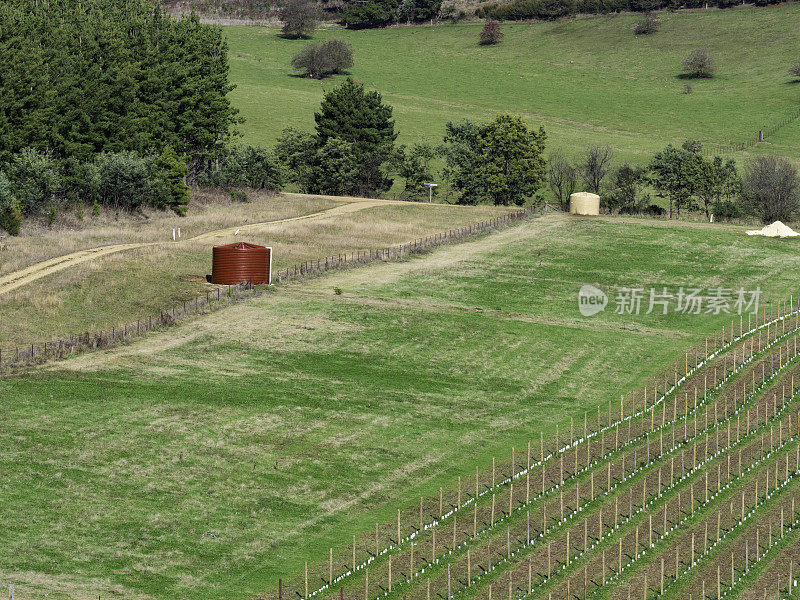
column 207, row 460
column 587, row 80
column 210, row 459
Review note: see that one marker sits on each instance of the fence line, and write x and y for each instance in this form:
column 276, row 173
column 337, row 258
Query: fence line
column 399, row 251
column 34, row 353
column 760, row 136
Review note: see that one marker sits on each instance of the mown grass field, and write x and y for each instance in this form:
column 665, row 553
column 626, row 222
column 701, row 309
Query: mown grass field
column 587, row 80
column 210, row 459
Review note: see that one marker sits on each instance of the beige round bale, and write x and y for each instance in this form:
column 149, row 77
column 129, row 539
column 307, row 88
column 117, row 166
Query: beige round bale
column 584, row 203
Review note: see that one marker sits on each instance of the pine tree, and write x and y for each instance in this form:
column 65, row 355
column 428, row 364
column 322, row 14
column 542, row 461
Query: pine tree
column 80, row 78
column 172, row 169
column 360, row 118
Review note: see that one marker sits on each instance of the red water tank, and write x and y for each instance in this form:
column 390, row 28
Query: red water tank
column 241, row 263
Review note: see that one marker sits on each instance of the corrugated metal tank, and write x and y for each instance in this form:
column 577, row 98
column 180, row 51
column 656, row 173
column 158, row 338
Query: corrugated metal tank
column 241, row 263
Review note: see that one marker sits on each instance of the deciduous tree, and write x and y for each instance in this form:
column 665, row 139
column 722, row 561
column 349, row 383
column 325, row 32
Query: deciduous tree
column 324, row 58
column 299, row 18
column 699, row 64
column 771, row 188
column 562, row 177
column 595, row 166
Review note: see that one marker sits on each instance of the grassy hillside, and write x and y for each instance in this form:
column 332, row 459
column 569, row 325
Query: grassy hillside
column 209, row 460
column 588, row 80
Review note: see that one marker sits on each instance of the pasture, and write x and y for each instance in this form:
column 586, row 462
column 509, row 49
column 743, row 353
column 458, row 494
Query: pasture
column 586, row 80
column 210, row 459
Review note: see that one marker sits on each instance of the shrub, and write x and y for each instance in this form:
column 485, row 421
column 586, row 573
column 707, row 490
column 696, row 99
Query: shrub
column 699, row 64
column 655, row 210
column 10, row 213
column 239, row 195
column 451, row 12
column 646, row 25
column 550, row 10
column 491, row 34
column 693, row 146
column 247, row 166
column 419, row 10
column 726, row 209
column 795, row 70
column 771, row 188
column 80, row 181
column 11, row 219
column 299, row 18
column 324, row 58
column 517, row 10
column 35, row 178
column 372, row 13
column 644, row 6
column 124, row 180
column 688, row 89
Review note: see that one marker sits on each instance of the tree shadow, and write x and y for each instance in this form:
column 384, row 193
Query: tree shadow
column 293, row 38
column 321, row 78
column 692, row 77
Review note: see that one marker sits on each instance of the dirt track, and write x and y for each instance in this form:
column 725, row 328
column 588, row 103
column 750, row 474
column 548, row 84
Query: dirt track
column 16, row 279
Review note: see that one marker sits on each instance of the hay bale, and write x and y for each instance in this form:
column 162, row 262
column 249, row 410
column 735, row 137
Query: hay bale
column 584, row 203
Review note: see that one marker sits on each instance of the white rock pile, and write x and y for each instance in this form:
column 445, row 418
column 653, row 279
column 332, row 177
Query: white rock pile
column 776, row 229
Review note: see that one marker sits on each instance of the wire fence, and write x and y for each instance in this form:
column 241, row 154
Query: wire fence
column 220, row 297
column 760, row 136
column 399, row 251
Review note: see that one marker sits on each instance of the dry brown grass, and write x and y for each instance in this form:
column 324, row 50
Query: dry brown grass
column 210, row 210
column 120, row 288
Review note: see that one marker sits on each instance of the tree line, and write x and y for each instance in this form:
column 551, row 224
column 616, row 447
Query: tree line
column 768, row 188
column 299, row 16
column 352, row 152
column 515, row 10
column 114, row 102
